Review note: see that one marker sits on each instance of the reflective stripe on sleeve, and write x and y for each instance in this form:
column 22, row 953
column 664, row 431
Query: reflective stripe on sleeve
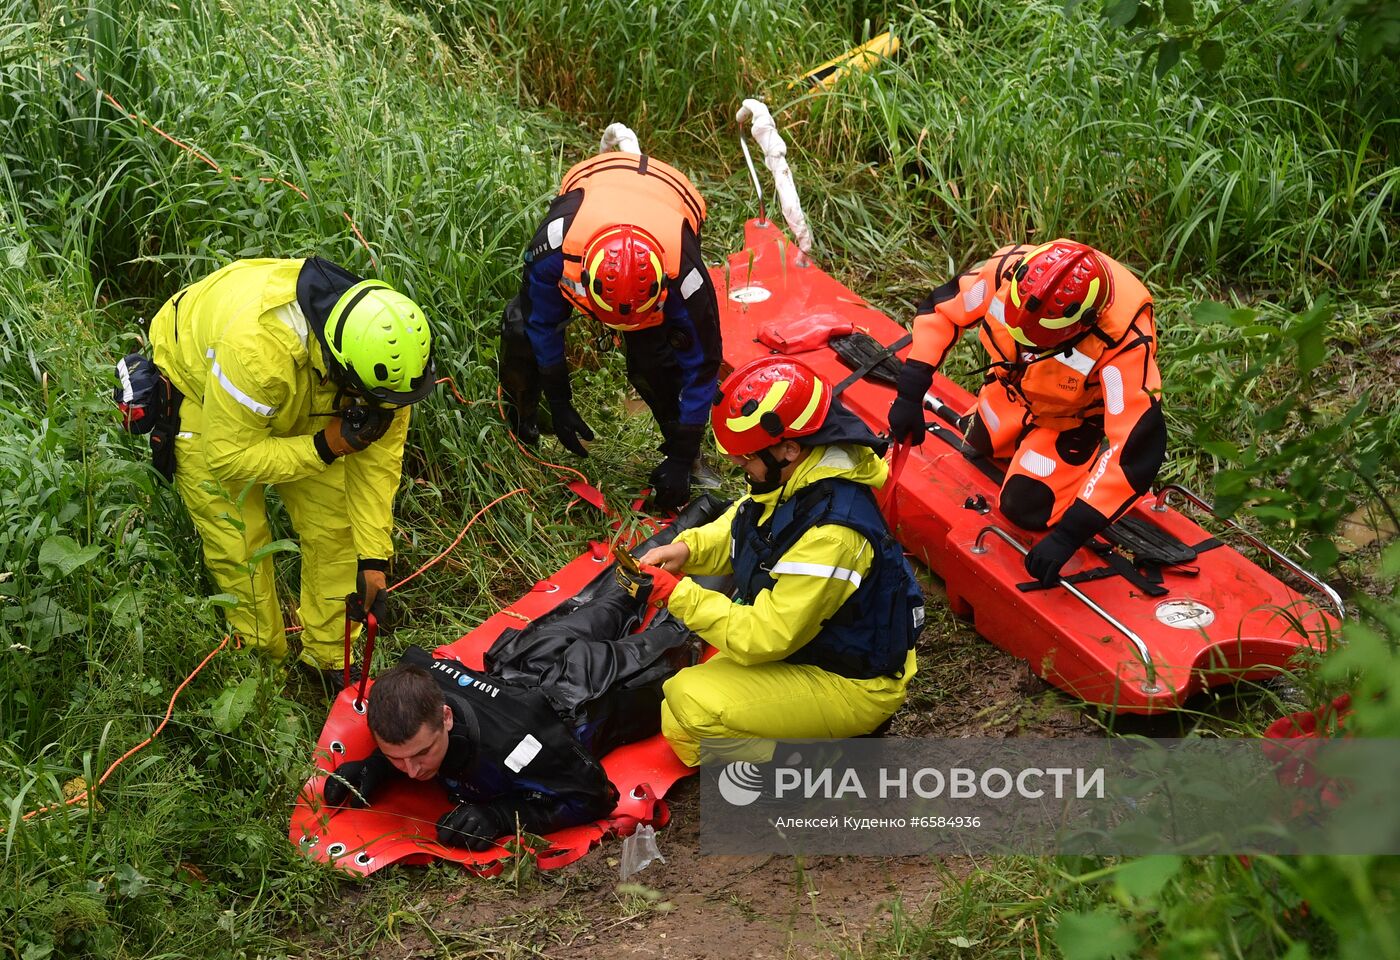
column 816, row 570
column 261, row 409
column 972, row 299
column 1112, row 380
column 989, row 416
column 554, row 233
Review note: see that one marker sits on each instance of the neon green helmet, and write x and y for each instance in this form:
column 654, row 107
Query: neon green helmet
column 381, row 340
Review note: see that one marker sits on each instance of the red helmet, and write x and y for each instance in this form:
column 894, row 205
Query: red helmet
column 624, row 278
column 1056, row 291
column 766, row 401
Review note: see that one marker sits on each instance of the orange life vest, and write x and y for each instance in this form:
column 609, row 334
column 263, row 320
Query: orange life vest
column 625, row 188
column 1061, row 390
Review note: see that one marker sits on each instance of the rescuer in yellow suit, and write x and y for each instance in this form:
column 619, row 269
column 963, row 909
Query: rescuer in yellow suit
column 294, row 374
column 818, row 639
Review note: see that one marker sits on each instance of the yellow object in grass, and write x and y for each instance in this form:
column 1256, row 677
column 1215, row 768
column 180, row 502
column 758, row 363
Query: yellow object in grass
column 862, row 58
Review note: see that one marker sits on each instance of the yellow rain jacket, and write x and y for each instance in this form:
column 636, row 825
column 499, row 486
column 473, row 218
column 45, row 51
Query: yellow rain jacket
column 747, row 690
column 240, row 348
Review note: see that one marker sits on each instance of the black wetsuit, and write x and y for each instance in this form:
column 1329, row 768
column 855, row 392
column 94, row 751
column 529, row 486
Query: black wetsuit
column 509, row 750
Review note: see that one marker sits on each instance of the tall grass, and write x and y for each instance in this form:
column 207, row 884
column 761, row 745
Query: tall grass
column 1004, row 121
column 102, row 608
column 441, row 129
column 665, row 67
column 997, row 121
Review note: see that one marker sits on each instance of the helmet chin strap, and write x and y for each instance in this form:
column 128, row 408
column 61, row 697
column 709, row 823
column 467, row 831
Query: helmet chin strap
column 773, row 473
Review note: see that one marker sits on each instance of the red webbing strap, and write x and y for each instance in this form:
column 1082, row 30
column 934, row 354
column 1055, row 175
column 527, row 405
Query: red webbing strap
column 888, row 502
column 371, row 631
column 589, row 494
column 349, row 629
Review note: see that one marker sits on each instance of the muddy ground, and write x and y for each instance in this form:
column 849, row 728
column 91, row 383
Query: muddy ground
column 689, row 907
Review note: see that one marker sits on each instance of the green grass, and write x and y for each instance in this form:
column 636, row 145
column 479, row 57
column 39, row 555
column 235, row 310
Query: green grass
column 441, row 129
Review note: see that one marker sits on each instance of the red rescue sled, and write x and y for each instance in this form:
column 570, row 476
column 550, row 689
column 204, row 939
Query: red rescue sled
column 1108, row 641
column 401, row 825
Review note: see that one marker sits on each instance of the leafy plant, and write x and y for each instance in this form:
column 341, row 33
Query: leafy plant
column 1168, row 30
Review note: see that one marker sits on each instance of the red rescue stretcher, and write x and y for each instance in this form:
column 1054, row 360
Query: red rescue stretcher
column 1162, row 613
column 401, row 825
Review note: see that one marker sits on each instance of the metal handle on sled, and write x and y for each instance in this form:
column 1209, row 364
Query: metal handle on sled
column 1160, row 506
column 1149, row 686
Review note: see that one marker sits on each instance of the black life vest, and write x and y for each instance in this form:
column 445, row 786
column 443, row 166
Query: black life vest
column 874, row 630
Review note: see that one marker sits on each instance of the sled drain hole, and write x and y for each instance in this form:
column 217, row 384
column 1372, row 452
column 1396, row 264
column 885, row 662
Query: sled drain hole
column 335, row 850
column 337, row 747
column 363, row 859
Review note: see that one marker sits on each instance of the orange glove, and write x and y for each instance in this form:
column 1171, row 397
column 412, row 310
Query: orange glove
column 662, row 583
column 650, row 584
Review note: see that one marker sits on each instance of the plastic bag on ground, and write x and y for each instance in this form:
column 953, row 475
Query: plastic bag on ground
column 638, row 851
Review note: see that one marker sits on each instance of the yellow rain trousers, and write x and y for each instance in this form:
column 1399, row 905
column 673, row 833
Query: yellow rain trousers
column 747, row 690
column 237, row 345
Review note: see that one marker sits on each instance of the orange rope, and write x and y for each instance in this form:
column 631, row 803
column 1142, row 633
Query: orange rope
column 452, row 385
column 453, row 544
column 460, row 399
column 170, row 709
column 500, row 407
column 354, row 228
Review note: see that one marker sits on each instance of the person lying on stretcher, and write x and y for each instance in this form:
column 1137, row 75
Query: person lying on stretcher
column 517, row 746
column 506, row 759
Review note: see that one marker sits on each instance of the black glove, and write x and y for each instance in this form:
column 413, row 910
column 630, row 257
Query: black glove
column 474, row 826
column 670, row 481
column 1076, row 528
column 362, row 424
column 649, row 584
column 353, row 784
column 370, row 585
column 634, row 584
column 568, row 425
column 907, row 423
column 518, row 372
column 1049, row 555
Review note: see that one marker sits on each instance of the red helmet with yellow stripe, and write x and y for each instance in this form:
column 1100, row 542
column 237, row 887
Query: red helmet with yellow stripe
column 766, row 401
column 623, row 277
column 1056, row 291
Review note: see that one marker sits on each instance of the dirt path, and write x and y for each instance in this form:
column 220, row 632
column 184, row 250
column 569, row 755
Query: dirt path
column 689, row 907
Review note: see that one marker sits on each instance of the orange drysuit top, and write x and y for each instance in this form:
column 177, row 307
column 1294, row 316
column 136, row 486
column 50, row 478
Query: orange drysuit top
column 1108, row 371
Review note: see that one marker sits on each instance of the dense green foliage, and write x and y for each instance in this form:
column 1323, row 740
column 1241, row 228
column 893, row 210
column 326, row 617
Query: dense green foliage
column 1168, row 31
column 440, row 128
